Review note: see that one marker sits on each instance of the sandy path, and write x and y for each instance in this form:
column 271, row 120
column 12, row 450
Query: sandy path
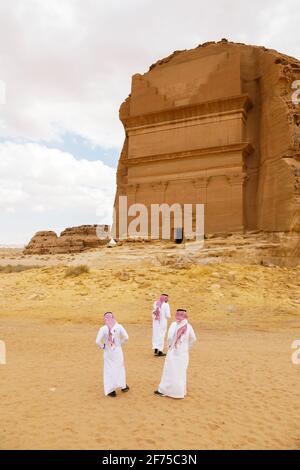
column 244, row 392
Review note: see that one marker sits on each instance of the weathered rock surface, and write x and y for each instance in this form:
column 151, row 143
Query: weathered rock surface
column 71, row 240
column 216, row 125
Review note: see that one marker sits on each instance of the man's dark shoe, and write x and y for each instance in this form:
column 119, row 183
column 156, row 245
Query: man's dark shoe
column 125, row 389
column 160, row 353
column 112, row 394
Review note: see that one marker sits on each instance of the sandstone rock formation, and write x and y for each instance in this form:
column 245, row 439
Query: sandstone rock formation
column 71, row 240
column 216, row 125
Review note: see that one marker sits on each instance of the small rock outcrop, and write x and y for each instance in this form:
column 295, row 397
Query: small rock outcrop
column 71, row 240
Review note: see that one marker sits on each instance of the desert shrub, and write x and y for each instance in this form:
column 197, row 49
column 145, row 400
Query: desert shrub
column 8, row 269
column 74, row 271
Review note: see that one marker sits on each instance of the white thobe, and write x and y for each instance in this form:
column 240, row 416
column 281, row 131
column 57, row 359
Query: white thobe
column 160, row 326
column 173, row 380
column 114, row 375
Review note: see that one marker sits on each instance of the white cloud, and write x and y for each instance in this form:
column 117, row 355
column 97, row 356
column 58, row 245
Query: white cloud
column 46, row 189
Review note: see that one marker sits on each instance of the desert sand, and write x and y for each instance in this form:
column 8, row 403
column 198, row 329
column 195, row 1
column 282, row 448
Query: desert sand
column 243, row 389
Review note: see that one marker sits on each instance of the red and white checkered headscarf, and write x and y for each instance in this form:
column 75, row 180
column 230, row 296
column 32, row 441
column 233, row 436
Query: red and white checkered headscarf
column 181, row 316
column 158, row 306
column 110, row 322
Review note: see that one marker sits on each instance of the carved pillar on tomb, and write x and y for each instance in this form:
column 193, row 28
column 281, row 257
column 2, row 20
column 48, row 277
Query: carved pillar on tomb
column 160, row 188
column 201, row 186
column 159, row 197
column 237, row 182
column 131, row 190
column 121, row 191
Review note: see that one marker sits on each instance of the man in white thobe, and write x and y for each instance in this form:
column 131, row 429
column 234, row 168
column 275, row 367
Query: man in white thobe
column 181, row 336
column 160, row 314
column 110, row 338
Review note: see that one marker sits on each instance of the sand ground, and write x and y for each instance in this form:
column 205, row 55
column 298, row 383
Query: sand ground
column 243, row 389
column 243, row 392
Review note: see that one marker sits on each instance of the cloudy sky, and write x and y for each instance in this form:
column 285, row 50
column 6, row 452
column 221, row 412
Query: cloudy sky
column 65, row 68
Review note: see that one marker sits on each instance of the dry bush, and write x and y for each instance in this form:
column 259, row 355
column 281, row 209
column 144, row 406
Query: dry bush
column 8, row 269
column 74, row 271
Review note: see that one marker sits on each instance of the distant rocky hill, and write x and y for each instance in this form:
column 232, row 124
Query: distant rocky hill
column 71, row 240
